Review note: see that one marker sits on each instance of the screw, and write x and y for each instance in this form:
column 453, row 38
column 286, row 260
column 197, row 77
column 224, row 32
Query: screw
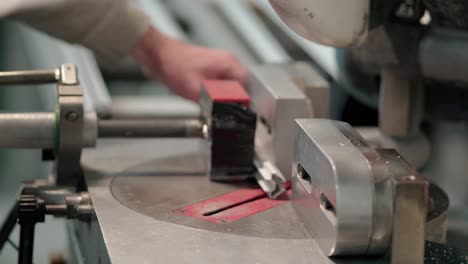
column 72, row 116
column 181, row 211
column 410, row 178
column 222, row 221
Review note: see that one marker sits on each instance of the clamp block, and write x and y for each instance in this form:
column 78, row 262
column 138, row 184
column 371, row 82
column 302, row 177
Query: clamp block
column 230, row 129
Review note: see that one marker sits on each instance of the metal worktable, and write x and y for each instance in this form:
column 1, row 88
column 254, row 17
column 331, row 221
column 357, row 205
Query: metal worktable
column 136, row 185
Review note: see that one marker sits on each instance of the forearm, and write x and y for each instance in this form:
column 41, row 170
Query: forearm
column 111, row 28
column 149, row 49
column 115, row 28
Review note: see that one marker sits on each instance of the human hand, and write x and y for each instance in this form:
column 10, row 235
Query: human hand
column 182, row 66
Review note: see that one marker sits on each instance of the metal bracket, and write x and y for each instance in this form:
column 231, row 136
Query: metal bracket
column 70, row 127
column 68, row 137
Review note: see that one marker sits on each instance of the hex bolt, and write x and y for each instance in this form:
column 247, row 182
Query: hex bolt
column 72, row 116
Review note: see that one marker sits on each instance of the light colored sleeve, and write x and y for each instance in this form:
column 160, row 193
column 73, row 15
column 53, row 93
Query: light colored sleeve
column 111, row 28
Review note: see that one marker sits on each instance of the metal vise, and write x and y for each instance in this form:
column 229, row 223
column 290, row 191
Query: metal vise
column 277, row 95
column 356, row 200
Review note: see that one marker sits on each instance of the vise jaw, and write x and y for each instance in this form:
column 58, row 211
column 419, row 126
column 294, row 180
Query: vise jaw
column 356, row 200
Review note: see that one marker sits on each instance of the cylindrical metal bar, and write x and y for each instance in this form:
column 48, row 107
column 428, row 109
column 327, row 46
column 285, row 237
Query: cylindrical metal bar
column 27, row 130
column 443, row 55
column 26, row 243
column 38, row 130
column 56, row 210
column 29, row 77
column 151, row 128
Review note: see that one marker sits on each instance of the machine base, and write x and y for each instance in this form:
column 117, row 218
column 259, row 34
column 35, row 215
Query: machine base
column 136, row 221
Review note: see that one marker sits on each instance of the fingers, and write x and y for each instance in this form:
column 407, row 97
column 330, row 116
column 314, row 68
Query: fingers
column 193, row 89
column 183, row 67
column 227, row 67
column 234, row 69
column 236, row 72
column 188, row 87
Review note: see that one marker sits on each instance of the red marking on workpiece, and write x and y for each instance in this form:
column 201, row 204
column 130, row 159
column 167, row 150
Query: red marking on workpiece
column 233, row 206
column 226, row 91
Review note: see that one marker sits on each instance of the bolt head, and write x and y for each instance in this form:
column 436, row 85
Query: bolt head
column 72, row 116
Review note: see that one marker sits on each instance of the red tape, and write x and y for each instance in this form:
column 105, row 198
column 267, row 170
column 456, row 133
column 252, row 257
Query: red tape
column 233, row 206
column 225, row 91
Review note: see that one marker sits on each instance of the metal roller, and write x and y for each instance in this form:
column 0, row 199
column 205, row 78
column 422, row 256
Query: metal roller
column 27, row 130
column 151, row 128
column 38, row 130
column 29, row 77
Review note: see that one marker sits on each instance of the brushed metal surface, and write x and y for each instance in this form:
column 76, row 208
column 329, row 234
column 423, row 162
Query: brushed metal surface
column 138, row 194
column 128, row 236
column 132, row 237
